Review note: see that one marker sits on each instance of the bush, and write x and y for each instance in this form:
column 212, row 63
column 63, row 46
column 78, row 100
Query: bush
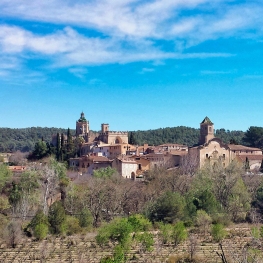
column 218, row 232
column 165, row 232
column 168, row 208
column 203, row 221
column 146, row 241
column 72, row 225
column 39, row 225
column 179, row 233
column 85, row 218
column 139, row 223
column 40, row 231
column 57, row 218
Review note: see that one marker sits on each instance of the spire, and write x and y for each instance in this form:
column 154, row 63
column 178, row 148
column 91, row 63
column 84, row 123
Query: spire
column 82, row 117
column 207, row 121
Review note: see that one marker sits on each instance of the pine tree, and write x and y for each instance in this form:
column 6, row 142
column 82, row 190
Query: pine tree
column 58, row 152
column 132, row 139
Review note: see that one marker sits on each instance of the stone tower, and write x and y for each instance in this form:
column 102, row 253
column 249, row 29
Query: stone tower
column 82, row 127
column 206, row 131
column 105, row 128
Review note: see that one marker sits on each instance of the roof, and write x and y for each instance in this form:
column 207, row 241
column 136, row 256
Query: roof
column 253, row 157
column 82, row 118
column 172, row 144
column 17, row 168
column 206, row 121
column 237, row 147
column 94, row 158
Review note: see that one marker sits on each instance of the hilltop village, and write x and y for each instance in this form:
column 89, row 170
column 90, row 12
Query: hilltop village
column 111, row 149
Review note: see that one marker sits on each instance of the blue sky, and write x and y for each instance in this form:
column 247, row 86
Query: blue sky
column 134, row 64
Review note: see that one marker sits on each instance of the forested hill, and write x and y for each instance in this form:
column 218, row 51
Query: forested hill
column 182, row 135
column 24, row 139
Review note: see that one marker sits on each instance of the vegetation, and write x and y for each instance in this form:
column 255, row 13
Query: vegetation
column 181, row 135
column 24, row 140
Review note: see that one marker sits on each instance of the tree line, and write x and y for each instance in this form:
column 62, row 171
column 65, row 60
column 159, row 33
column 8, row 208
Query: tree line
column 24, row 140
column 181, row 135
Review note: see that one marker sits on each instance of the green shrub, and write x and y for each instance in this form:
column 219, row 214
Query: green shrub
column 57, row 218
column 41, row 231
column 218, row 232
column 165, row 232
column 72, row 225
column 255, row 232
column 85, row 218
column 118, row 254
column 179, row 233
column 146, row 241
column 139, row 223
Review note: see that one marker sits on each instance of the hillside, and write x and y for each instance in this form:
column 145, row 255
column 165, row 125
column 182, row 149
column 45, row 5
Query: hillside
column 24, row 139
column 182, row 135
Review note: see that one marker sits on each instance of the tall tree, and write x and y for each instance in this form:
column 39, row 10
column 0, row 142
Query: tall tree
column 254, row 137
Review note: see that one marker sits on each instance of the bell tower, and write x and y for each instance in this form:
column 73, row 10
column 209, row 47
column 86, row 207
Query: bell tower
column 82, row 127
column 206, row 131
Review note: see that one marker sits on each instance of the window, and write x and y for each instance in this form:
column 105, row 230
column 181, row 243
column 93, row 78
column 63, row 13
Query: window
column 224, row 156
column 206, row 155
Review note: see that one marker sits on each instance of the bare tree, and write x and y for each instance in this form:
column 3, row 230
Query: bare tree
column 18, row 158
column 189, row 163
column 13, row 233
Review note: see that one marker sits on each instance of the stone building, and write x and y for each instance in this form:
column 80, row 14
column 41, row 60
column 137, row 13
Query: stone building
column 212, row 150
column 82, row 127
column 112, row 137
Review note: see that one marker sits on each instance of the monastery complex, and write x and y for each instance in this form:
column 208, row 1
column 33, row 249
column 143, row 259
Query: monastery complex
column 111, row 148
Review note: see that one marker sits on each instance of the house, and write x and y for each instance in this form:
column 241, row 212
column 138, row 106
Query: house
column 88, row 163
column 126, row 167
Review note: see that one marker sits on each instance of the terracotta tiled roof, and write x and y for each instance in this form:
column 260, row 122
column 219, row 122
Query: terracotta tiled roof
column 250, row 157
column 172, row 144
column 17, row 168
column 235, row 147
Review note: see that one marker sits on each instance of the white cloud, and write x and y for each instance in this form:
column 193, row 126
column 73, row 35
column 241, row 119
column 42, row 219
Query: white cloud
column 128, row 30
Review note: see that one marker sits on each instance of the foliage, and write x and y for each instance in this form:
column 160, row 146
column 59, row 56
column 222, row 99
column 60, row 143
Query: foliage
column 203, row 221
column 181, row 135
column 41, row 231
column 254, row 137
column 165, row 232
column 145, row 240
column 179, row 233
column 85, row 218
column 39, row 224
column 122, row 232
column 139, row 223
column 12, row 140
column 218, row 232
column 41, row 150
column 60, row 171
column 5, row 174
column 106, row 172
column 57, row 218
column 4, row 203
column 167, row 208
column 72, row 225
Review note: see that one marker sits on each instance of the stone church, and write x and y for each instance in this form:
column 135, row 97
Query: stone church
column 212, row 150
